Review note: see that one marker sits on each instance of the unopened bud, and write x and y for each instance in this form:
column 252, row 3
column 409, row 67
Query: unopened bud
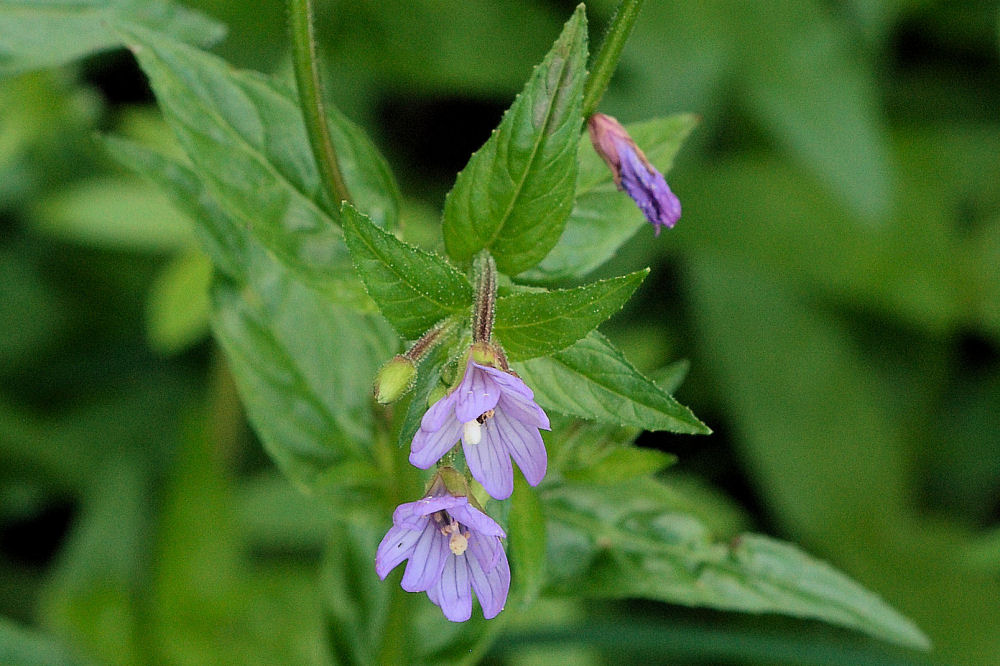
column 394, row 379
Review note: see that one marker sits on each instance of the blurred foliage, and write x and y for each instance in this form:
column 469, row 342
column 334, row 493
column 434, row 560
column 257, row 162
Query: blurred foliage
column 834, row 282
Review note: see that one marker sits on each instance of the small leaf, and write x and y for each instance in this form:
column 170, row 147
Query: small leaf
column 526, row 531
column 514, row 195
column 245, row 137
column 632, row 540
column 35, row 34
column 604, row 218
column 593, row 380
column 413, row 289
column 540, row 323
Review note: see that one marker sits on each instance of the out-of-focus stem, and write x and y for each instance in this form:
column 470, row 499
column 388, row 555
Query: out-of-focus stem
column 609, row 53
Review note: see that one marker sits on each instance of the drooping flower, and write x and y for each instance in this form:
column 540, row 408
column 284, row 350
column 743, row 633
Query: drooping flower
column 451, row 546
column 496, row 417
column 633, row 172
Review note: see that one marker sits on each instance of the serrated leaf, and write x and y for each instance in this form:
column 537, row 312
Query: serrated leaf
column 245, row 137
column 514, row 195
column 540, row 323
column 603, row 218
column 413, row 289
column 593, row 380
column 630, row 540
column 46, row 33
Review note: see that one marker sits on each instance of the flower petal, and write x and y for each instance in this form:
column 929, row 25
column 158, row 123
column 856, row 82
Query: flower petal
column 453, row 590
column 649, row 189
column 489, row 462
column 428, row 447
column 427, row 560
column 477, row 521
column 524, row 444
column 438, row 414
column 508, row 382
column 476, row 394
column 525, row 411
column 490, row 574
column 413, row 515
column 396, row 546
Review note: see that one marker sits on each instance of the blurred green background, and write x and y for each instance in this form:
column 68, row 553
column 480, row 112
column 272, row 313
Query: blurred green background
column 835, row 283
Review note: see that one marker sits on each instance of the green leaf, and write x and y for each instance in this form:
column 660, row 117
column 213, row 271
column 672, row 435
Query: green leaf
column 623, row 463
column 413, row 289
column 540, row 323
column 177, row 311
column 245, row 136
column 603, row 218
column 630, row 540
column 514, row 195
column 526, row 532
column 593, row 380
column 27, row 647
column 35, row 34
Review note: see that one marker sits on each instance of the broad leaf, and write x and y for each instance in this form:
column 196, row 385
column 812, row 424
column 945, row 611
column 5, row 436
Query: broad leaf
column 514, row 195
column 540, row 323
column 46, row 33
column 630, row 540
column 603, row 218
column 593, row 380
column 245, row 136
column 412, row 288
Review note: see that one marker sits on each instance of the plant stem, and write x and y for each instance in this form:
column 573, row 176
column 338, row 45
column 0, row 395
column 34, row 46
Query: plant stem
column 608, row 55
column 485, row 270
column 300, row 13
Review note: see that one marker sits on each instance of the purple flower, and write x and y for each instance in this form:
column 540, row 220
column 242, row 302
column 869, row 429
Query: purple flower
column 450, row 545
column 497, row 418
column 633, row 172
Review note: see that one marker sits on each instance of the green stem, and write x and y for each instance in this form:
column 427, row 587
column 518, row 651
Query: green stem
column 304, row 60
column 608, row 55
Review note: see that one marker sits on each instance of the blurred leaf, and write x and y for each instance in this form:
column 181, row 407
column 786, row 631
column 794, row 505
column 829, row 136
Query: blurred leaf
column 413, row 289
column 526, row 536
column 516, row 191
column 245, row 136
column 20, row 646
column 603, row 218
column 540, row 323
column 593, row 380
column 113, row 213
column 621, row 464
column 628, row 541
column 46, row 33
column 33, row 314
column 178, row 308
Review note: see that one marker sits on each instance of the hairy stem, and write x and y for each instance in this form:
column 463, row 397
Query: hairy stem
column 608, row 55
column 485, row 270
column 300, row 13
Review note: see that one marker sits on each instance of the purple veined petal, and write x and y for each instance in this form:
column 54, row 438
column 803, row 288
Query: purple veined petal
column 525, row 411
column 476, row 394
column 489, row 462
column 490, row 574
column 427, row 560
column 524, row 444
column 477, row 521
column 438, row 414
column 508, row 382
column 396, row 546
column 413, row 515
column 649, row 189
column 454, row 591
column 428, row 447
column 434, row 595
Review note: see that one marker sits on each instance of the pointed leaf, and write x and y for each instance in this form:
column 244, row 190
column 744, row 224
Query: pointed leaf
column 540, row 323
column 413, row 289
column 603, row 218
column 633, row 540
column 516, row 191
column 593, row 380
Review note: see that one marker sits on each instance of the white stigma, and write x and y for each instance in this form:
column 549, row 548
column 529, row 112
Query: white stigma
column 458, row 542
column 472, row 432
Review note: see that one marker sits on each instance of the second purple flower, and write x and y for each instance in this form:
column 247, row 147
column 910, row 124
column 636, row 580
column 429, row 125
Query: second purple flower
column 496, row 417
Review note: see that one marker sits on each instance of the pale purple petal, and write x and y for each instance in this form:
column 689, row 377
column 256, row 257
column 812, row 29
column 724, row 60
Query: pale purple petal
column 396, row 546
column 649, row 189
column 508, row 382
column 413, row 515
column 428, row 559
column 524, row 444
column 438, row 414
column 453, row 590
column 490, row 574
column 489, row 462
column 476, row 394
column 525, row 411
column 428, row 447
column 476, row 520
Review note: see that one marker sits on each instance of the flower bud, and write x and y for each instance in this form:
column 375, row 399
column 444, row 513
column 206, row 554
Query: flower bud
column 394, row 379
